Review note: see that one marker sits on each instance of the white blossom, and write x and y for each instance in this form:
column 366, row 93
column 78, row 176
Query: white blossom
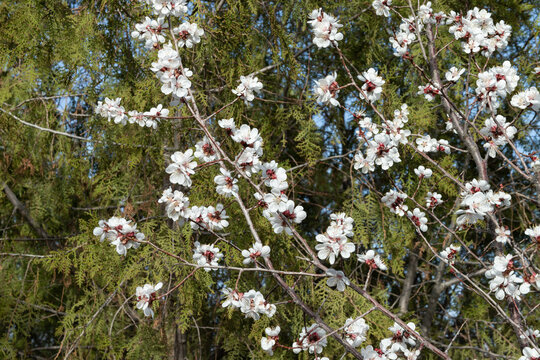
column 255, row 251
column 181, row 168
column 337, row 279
column 206, row 255
column 146, row 295
column 249, row 85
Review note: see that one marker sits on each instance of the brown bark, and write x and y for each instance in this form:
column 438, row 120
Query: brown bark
column 409, row 282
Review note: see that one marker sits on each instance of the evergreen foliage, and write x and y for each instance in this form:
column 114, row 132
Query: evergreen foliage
column 68, row 293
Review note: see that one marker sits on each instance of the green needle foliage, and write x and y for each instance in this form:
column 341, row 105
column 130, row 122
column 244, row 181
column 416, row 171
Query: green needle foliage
column 65, row 293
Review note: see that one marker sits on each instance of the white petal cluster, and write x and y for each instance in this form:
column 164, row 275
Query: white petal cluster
column 164, row 8
column 422, row 172
column 382, row 146
column 394, row 200
column 418, row 218
column 206, row 255
column 188, row 34
column 453, row 74
column 503, row 234
column 334, row 242
column 429, row 91
column 530, row 354
column 498, row 132
column 312, row 339
column 249, row 85
column 478, row 201
column 383, row 151
column 373, row 260
column 337, row 279
column 181, row 168
column 504, row 281
column 146, row 295
column 355, row 331
column 403, row 38
column 326, row 90
column 325, row 28
column 372, row 87
column 176, row 204
column 382, row 7
column 433, row 199
column 174, row 79
column 208, row 217
column 226, row 183
column 534, row 233
column 272, row 337
column 111, row 109
column 151, row 32
column 257, row 250
column 399, row 342
column 205, row 150
column 252, row 303
column 496, row 82
column 120, row 232
column 448, row 255
column 478, row 32
column 529, row 98
column 532, row 334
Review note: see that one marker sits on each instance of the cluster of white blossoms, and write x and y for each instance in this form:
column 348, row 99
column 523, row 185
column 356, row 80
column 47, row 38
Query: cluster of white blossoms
column 504, row 280
column 161, row 8
column 173, row 77
column 418, row 218
column 448, row 255
column 252, row 303
column 120, row 232
column 534, row 233
column 529, row 98
column 181, row 168
column 188, row 34
column 478, row 32
column 373, row 260
column 312, row 339
column 151, row 32
column 427, row 144
column 433, row 199
column 254, row 252
column 355, row 331
column 530, row 354
column 270, row 340
column 395, row 201
column 334, row 242
column 372, row 87
column 381, row 140
column 146, row 295
column 497, row 132
column 226, row 184
column 325, row 28
column 111, row 109
column 337, row 279
column 176, row 205
column 479, row 201
column 326, row 90
column 395, row 346
column 429, row 91
column 423, row 172
column 249, row 85
column 496, row 82
column 206, row 256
